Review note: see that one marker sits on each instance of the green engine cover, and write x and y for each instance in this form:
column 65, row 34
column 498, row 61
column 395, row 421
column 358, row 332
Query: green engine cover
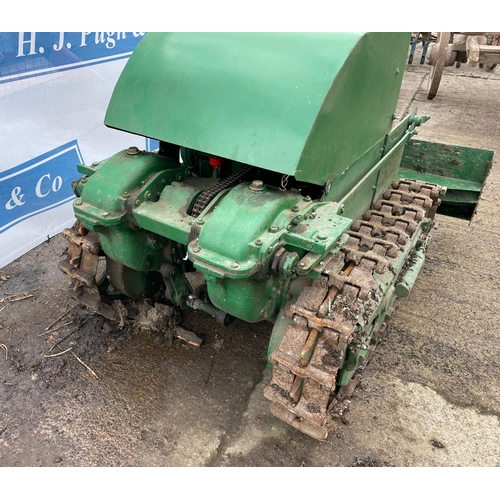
column 301, row 104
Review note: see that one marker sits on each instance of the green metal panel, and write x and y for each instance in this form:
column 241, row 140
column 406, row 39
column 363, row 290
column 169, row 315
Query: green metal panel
column 122, row 173
column 168, row 215
column 458, row 164
column 462, row 170
column 240, row 219
column 358, row 109
column 247, row 226
column 369, row 176
column 139, row 250
column 302, row 104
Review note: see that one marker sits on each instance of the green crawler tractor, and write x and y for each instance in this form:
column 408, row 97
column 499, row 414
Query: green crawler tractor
column 284, row 189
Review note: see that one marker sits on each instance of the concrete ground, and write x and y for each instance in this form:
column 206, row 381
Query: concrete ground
column 430, row 396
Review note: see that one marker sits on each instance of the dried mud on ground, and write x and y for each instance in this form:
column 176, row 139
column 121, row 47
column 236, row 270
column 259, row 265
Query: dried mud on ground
column 136, row 397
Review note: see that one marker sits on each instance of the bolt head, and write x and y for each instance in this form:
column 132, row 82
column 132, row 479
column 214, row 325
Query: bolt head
column 257, row 185
column 133, row 150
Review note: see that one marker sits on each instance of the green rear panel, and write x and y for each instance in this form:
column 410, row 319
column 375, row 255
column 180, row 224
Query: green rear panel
column 461, row 169
column 303, row 104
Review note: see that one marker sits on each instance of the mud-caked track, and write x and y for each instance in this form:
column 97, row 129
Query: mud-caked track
column 336, row 317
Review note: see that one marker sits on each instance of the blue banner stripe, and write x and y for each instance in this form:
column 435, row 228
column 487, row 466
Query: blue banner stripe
column 49, row 71
column 27, row 216
column 27, row 165
column 38, row 185
column 29, row 54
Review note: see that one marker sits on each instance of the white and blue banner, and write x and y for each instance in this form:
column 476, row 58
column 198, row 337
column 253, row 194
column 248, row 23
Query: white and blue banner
column 54, row 91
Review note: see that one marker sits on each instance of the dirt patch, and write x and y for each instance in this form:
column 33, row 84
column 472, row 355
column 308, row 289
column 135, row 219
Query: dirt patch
column 370, row 462
column 152, row 393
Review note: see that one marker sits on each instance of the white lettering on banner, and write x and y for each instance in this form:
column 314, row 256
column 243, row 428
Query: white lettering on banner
column 56, row 185
column 16, row 200
column 107, row 38
column 31, row 42
column 99, row 37
column 58, row 46
column 83, row 42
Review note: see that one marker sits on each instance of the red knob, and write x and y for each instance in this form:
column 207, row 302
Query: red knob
column 215, row 161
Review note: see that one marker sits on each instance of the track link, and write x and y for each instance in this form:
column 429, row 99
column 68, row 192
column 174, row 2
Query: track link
column 328, row 315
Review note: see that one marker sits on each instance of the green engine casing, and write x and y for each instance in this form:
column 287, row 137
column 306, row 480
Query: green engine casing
column 311, row 112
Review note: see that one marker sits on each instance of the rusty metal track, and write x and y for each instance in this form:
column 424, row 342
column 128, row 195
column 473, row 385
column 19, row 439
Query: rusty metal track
column 303, row 389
